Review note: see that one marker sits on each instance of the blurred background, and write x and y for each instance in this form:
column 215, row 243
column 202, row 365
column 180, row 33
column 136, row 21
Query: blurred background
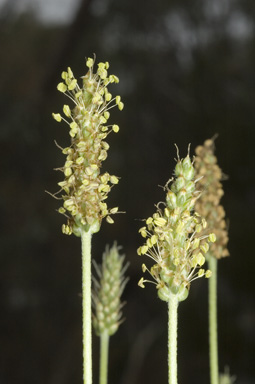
column 187, row 71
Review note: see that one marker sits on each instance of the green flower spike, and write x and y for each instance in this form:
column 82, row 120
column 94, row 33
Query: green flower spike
column 172, row 239
column 107, row 292
column 84, row 189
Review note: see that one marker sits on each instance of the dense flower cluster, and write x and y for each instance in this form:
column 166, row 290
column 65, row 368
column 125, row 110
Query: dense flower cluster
column 172, row 237
column 108, row 290
column 208, row 205
column 85, row 188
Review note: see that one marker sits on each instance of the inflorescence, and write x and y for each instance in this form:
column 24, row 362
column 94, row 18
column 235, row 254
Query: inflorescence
column 85, row 188
column 172, row 236
column 208, row 205
column 108, row 290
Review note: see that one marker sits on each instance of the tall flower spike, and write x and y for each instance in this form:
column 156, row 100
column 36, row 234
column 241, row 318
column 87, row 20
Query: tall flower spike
column 208, row 205
column 171, row 235
column 84, row 189
column 107, row 292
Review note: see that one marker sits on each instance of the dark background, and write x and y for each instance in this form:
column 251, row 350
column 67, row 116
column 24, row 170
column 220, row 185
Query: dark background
column 187, row 71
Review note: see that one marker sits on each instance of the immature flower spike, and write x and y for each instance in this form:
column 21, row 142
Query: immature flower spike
column 84, row 189
column 172, row 237
column 208, row 205
column 107, row 292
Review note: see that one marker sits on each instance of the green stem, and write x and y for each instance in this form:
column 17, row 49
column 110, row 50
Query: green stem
column 104, row 348
column 213, row 337
column 172, row 338
column 86, row 306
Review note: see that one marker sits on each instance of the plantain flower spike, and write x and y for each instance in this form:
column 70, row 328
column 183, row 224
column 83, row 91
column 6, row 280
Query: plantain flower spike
column 208, row 205
column 173, row 236
column 84, row 188
column 108, row 290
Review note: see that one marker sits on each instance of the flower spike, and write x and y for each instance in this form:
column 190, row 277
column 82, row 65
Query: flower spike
column 173, row 237
column 84, row 188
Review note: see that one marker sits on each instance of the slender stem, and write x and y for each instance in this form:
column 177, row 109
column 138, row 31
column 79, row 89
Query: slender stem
column 172, row 338
column 213, row 336
column 104, row 348
column 86, row 307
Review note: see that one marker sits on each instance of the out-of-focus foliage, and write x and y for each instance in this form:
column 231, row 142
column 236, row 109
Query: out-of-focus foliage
column 187, row 72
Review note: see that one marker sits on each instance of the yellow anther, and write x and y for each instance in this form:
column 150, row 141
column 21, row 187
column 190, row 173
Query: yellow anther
column 72, row 85
column 208, row 273
column 102, row 120
column 115, row 128
column 196, row 243
column 212, row 238
column 109, row 220
column 114, row 210
column 200, row 259
column 144, row 249
column 108, row 96
column 68, row 163
column 149, row 220
column 70, row 73
column 57, row 117
column 143, row 232
column 107, row 115
column 121, row 106
column 160, row 221
column 201, row 272
column 154, row 239
column 90, row 62
column 68, row 171
column 61, row 87
column 204, row 247
column 78, row 94
column 105, row 178
column 141, row 283
column 114, row 180
column 74, row 127
column 67, row 110
column 80, row 160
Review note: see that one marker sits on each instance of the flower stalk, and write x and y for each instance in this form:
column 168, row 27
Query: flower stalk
column 213, row 338
column 172, row 338
column 174, row 243
column 210, row 176
column 85, row 189
column 86, row 306
column 107, row 301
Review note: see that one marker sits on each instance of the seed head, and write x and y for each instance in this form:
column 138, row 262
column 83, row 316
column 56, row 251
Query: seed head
column 84, row 188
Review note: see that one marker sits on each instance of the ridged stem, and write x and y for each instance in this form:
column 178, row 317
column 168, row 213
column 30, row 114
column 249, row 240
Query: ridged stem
column 172, row 338
column 86, row 307
column 104, row 349
column 213, row 336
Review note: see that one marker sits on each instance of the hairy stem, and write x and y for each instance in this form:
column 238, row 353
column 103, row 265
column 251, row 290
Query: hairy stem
column 213, row 337
column 86, row 307
column 104, row 348
column 172, row 338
